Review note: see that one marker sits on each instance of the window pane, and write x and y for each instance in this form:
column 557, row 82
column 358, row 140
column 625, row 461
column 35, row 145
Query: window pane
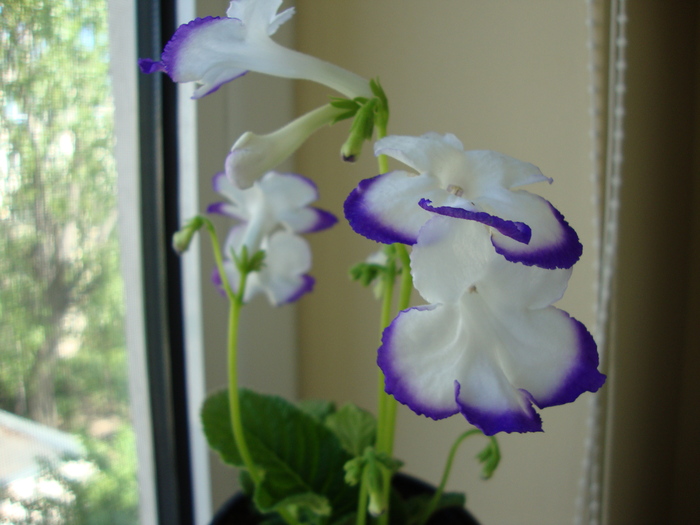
column 66, row 441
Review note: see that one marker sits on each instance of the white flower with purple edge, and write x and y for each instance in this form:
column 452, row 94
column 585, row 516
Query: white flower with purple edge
column 473, row 185
column 490, row 345
column 214, row 50
column 272, row 212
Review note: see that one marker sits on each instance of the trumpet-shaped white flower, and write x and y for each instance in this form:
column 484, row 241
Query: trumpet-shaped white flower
column 213, row 51
column 271, row 213
column 490, row 345
column 254, row 155
column 473, row 185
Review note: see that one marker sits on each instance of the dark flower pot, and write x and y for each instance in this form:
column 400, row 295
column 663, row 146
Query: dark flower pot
column 239, row 510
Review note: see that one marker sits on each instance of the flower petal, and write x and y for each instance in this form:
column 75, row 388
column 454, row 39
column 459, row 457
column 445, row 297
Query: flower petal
column 449, row 257
column 201, row 51
column 285, row 191
column 554, row 244
column 308, row 219
column 221, row 184
column 418, row 356
column 439, row 360
column 549, row 354
column 492, row 169
column 287, row 259
column 426, row 154
column 385, row 208
column 260, row 13
column 514, row 285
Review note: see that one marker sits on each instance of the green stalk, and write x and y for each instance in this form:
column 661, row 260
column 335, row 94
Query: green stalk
column 446, row 474
column 362, row 503
column 236, row 304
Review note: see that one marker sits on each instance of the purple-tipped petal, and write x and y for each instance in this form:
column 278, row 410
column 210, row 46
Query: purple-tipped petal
column 196, row 52
column 324, row 220
column 518, row 231
column 151, row 66
column 306, row 285
column 390, row 361
column 385, row 208
column 223, row 208
column 583, row 375
column 554, row 244
column 492, row 422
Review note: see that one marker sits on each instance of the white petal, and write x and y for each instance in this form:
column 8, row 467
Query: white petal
column 287, row 191
column 430, row 153
column 490, row 169
column 518, row 286
column 260, row 14
column 451, row 255
column 287, row 259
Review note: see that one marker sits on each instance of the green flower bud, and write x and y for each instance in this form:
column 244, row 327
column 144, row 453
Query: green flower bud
column 183, row 237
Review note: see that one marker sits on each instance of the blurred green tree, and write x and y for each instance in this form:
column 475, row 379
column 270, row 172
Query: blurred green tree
column 60, row 287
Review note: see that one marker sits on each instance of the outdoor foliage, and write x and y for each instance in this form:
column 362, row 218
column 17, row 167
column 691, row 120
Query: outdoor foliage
column 62, row 354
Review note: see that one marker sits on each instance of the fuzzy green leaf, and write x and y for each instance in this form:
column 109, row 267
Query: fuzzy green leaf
column 319, row 409
column 298, row 454
column 355, row 428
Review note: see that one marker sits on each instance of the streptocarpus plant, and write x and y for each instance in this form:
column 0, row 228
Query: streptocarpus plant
column 488, row 257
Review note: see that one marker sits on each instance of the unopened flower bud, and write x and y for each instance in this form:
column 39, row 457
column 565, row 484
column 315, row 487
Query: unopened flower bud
column 183, row 237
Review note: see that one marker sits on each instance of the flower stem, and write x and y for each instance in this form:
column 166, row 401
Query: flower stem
column 233, row 397
column 236, row 304
column 446, row 474
column 362, row 503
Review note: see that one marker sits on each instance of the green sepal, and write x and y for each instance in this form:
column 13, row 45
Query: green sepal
column 344, row 103
column 257, row 261
column 365, row 273
column 489, row 457
column 353, row 470
column 247, row 264
column 344, row 116
column 356, row 429
column 381, row 118
column 361, row 130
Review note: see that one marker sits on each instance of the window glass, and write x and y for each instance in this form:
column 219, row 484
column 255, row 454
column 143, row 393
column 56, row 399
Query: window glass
column 67, row 451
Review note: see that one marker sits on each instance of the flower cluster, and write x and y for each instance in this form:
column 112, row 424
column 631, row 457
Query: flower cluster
column 489, row 258
column 271, row 213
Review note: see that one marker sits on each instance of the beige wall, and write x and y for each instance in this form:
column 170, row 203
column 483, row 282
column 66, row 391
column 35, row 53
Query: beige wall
column 504, row 75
